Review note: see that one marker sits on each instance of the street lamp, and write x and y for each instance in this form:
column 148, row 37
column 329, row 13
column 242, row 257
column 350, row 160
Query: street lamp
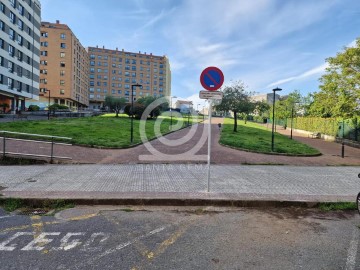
column 132, row 111
column 47, row 90
column 171, row 97
column 273, row 122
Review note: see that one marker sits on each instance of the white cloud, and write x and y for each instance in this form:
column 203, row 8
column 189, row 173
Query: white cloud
column 314, row 71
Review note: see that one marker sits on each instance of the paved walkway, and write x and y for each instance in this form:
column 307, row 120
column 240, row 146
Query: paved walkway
column 195, row 137
column 181, row 182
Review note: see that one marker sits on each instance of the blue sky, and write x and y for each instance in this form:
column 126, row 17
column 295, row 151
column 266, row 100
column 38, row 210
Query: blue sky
column 265, row 43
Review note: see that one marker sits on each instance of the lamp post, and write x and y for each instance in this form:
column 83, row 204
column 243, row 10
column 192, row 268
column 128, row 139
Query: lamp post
column 49, row 104
column 273, row 122
column 171, row 97
column 292, row 119
column 132, row 111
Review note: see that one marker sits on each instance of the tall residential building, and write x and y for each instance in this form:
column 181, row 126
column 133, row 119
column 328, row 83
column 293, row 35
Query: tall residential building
column 64, row 67
column 268, row 98
column 112, row 72
column 19, row 52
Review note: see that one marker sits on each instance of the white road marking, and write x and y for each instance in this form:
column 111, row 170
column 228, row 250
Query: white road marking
column 119, row 247
column 42, row 240
column 13, row 246
column 6, row 217
column 351, row 256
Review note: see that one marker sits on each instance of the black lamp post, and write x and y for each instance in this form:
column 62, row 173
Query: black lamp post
column 273, row 122
column 132, row 111
column 49, row 104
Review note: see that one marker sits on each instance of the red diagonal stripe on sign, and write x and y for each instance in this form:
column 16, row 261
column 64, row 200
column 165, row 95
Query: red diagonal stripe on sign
column 212, row 79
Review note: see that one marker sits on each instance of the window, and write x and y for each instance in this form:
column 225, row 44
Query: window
column 20, row 55
column 91, row 96
column 2, row 7
column 12, row 17
column 63, row 45
column 113, row 92
column 44, row 34
column 127, row 80
column 92, row 56
column 10, row 66
column 2, row 25
column 1, row 61
column 92, row 63
column 62, row 55
column 62, row 64
column 2, row 43
column 11, row 34
column 1, row 78
column 119, row 91
column 44, row 44
column 20, row 40
column 91, row 90
column 10, row 83
column 62, row 82
column 44, row 81
column 127, row 86
column 91, row 83
column 62, row 92
column 19, row 71
column 21, row 10
column 12, row 2
column 44, row 53
column 43, row 62
column 62, row 36
column 29, row 17
column 43, row 71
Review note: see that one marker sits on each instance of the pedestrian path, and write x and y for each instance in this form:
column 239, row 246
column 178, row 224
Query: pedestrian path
column 182, row 153
column 182, row 182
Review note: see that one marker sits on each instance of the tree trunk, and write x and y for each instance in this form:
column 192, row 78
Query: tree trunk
column 235, row 121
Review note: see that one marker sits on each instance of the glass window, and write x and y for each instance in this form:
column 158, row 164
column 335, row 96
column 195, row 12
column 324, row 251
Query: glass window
column 12, row 17
column 62, row 55
column 11, row 34
column 63, row 45
column 21, row 10
column 20, row 24
column 62, row 36
column 11, row 50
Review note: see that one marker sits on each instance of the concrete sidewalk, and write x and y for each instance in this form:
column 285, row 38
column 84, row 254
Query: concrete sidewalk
column 182, row 184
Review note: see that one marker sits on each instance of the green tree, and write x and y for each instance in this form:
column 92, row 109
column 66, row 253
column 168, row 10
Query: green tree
column 115, row 103
column 146, row 101
column 339, row 94
column 237, row 100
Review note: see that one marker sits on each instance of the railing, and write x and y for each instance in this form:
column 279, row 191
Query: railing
column 52, row 142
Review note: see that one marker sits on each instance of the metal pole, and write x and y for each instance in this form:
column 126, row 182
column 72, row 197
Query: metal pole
column 209, row 145
column 292, row 119
column 342, row 144
column 4, row 144
column 52, row 150
column 132, row 115
column 273, row 124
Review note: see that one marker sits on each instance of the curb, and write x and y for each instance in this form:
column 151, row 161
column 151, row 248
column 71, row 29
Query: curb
column 39, row 202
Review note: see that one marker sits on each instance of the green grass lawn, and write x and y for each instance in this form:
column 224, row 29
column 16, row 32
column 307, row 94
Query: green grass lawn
column 257, row 138
column 102, row 131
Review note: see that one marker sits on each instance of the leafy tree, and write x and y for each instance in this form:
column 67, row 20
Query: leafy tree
column 146, row 101
column 262, row 109
column 4, row 106
column 237, row 100
column 340, row 87
column 115, row 103
column 138, row 110
column 33, row 108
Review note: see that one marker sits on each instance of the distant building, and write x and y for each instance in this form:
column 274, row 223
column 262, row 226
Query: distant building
column 184, row 106
column 268, row 98
column 19, row 52
column 112, row 72
column 64, row 68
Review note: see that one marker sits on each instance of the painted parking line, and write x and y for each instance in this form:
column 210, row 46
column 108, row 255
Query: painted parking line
column 6, row 217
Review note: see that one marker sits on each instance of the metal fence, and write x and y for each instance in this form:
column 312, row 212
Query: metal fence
column 47, row 139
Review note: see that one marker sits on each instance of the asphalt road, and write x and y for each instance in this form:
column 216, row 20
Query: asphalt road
column 180, row 238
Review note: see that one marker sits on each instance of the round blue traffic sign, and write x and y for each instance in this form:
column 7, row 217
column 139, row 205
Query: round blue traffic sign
column 211, row 78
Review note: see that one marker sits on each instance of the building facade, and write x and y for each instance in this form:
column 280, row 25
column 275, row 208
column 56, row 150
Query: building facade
column 112, row 72
column 19, row 52
column 64, row 68
column 268, row 98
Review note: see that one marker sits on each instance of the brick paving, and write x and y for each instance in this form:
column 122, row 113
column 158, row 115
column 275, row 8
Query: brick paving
column 181, row 181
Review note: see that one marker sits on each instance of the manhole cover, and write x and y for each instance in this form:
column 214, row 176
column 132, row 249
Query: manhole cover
column 31, row 212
